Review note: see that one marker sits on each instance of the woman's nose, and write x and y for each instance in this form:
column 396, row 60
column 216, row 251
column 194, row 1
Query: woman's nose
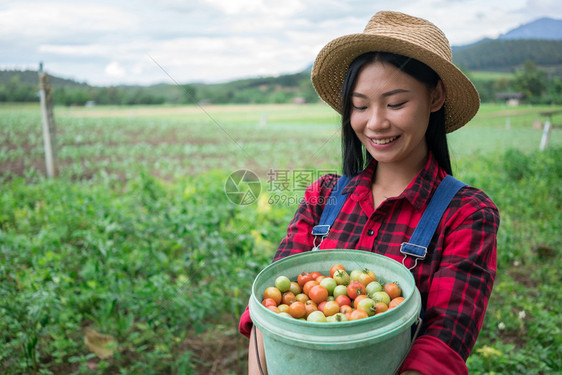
column 377, row 119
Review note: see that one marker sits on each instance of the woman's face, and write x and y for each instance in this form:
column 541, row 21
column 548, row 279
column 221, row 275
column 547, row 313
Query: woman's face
column 390, row 113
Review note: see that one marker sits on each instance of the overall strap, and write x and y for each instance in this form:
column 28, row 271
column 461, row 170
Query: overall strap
column 331, row 210
column 417, row 247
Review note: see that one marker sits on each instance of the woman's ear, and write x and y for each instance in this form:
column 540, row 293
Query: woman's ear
column 438, row 96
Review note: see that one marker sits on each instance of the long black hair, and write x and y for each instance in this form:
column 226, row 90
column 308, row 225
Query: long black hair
column 355, row 157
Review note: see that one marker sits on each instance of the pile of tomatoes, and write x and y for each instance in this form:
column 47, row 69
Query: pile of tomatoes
column 340, row 297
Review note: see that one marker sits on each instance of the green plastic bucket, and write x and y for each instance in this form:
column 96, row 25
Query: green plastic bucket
column 377, row 344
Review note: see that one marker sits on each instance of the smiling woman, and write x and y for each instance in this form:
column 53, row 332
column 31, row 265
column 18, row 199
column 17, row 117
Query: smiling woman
column 399, row 94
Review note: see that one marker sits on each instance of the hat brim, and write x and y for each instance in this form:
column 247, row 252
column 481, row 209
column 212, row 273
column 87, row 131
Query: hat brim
column 331, row 65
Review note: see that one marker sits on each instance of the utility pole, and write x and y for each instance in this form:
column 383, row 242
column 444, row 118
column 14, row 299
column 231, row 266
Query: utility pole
column 49, row 131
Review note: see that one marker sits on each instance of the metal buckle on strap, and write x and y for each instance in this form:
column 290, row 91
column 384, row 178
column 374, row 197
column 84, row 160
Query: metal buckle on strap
column 413, row 250
column 319, row 231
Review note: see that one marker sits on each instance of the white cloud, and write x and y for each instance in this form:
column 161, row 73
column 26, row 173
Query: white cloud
column 108, row 42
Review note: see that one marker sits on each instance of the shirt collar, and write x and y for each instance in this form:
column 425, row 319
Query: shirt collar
column 418, row 192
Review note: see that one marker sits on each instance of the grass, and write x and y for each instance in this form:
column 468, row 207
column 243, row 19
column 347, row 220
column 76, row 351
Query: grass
column 136, row 238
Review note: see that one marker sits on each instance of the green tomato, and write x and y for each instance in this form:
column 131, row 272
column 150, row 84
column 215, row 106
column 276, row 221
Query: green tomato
column 373, row 287
column 367, row 305
column 381, row 297
column 330, row 284
column 316, row 316
column 340, row 290
column 355, row 274
column 283, row 283
column 341, row 277
column 336, row 318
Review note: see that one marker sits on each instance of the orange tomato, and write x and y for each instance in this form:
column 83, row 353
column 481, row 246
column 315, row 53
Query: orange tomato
column 310, row 307
column 358, row 314
column 395, row 302
column 345, row 309
column 297, row 310
column 275, row 309
column 315, row 275
column 288, row 298
column 309, row 284
column 273, row 292
column 331, row 308
column 269, row 302
column 318, row 293
column 393, row 290
column 380, row 307
column 334, row 268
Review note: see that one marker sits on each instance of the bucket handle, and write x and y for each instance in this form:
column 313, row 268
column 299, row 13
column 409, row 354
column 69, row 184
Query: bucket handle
column 416, row 332
column 257, row 349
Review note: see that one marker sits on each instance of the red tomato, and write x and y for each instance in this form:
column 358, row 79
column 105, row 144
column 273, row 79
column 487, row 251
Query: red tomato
column 343, row 300
column 318, row 293
column 321, row 305
column 303, row 278
column 315, row 275
column 269, row 302
column 355, row 288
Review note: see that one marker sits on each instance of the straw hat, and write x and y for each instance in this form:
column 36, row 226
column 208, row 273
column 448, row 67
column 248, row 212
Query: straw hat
column 405, row 35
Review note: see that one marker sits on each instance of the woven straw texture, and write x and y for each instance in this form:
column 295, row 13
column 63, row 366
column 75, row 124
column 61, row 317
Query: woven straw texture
column 405, row 35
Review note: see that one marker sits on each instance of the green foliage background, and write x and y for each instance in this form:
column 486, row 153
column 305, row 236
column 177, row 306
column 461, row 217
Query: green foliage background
column 156, row 258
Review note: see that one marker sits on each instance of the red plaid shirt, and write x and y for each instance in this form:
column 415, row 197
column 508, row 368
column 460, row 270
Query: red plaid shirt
column 455, row 279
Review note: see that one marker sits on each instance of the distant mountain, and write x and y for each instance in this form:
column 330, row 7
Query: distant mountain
column 543, row 28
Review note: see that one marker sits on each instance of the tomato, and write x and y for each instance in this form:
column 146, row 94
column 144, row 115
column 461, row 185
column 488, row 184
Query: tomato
column 273, row 292
column 309, row 284
column 393, row 290
column 269, row 302
column 345, row 309
column 301, row 297
column 328, row 283
column 366, row 277
column 283, row 283
column 288, row 298
column 310, row 307
column 358, row 299
column 354, row 289
column 367, row 305
column 318, row 293
column 343, row 300
column 381, row 297
column 275, row 309
column 321, row 305
column 380, row 307
column 303, row 278
column 395, row 302
column 315, row 275
column 316, row 316
column 336, row 318
column 320, row 278
column 331, row 308
column 283, row 308
column 373, row 287
column 336, row 267
column 341, row 277
column 340, row 290
column 297, row 310
column 354, row 275
column 295, row 288
column 358, row 314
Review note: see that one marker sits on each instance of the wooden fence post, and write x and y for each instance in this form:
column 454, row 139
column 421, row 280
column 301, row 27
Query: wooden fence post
column 49, row 130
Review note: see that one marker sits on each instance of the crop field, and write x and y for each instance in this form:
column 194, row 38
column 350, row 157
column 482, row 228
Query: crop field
column 136, row 259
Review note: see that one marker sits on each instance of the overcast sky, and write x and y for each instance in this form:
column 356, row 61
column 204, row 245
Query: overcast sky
column 151, row 41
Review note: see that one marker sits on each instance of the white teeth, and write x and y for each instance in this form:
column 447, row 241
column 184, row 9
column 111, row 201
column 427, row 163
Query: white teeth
column 383, row 141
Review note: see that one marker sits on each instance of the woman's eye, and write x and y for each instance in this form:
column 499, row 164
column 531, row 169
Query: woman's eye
column 398, row 105
column 359, row 107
